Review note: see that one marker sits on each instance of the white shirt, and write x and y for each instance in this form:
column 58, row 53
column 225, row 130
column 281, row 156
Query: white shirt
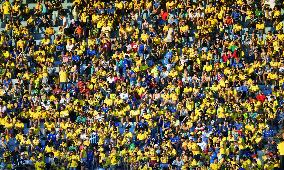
column 69, row 47
column 3, row 109
column 83, row 136
column 271, row 3
column 64, row 19
column 123, row 96
column 202, row 145
column 110, row 79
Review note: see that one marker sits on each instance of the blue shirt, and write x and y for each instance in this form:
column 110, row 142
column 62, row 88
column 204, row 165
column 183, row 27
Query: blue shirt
column 90, row 156
column 91, row 52
column 76, row 58
column 12, row 143
column 243, row 88
column 235, row 15
column 7, row 82
column 142, row 124
column 52, row 137
column 60, row 47
column 105, row 109
column 141, row 48
column 238, row 126
column 94, row 139
column 175, row 139
column 156, row 4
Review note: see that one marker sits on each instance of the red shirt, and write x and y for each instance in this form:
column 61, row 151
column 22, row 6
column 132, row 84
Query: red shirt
column 225, row 57
column 261, row 97
column 134, row 46
column 164, row 15
column 235, row 55
column 229, row 20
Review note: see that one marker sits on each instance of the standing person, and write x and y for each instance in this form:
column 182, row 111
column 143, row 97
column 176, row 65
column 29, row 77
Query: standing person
column 63, row 78
column 280, row 148
column 64, row 24
column 7, row 9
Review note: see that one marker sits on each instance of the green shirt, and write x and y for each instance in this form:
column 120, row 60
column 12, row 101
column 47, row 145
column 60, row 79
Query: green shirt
column 258, row 13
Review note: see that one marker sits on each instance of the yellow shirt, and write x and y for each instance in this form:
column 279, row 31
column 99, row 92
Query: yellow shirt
column 280, row 147
column 74, row 161
column 207, row 68
column 119, row 5
column 6, row 8
column 144, row 37
column 164, row 159
column 141, row 136
column 39, row 165
column 260, row 26
column 16, row 8
column 214, row 166
column 63, row 76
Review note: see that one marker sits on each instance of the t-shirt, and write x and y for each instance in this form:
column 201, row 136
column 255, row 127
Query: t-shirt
column 281, row 148
column 6, row 8
column 39, row 165
column 74, row 161
column 63, row 76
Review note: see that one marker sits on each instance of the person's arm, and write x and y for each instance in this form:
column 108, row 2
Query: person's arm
column 64, row 22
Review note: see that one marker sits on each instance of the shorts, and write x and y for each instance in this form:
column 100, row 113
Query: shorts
column 163, row 165
column 153, row 163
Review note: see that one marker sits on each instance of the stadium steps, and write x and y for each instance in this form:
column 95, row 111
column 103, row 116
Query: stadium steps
column 30, row 1
column 67, row 5
column 31, row 5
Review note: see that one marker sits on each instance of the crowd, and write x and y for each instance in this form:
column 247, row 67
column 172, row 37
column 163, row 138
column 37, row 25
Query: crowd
column 142, row 84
